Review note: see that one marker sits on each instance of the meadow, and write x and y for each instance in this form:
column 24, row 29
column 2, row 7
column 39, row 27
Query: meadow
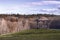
column 33, row 34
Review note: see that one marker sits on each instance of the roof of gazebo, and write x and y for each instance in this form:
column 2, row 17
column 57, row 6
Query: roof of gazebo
column 43, row 18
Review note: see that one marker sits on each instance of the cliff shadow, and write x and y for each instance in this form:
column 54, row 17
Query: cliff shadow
column 55, row 24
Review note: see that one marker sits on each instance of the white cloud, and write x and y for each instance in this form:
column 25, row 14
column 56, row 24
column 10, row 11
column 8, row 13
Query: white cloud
column 43, row 3
column 23, row 8
column 50, row 9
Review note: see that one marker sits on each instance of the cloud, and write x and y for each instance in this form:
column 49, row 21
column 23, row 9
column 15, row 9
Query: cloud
column 28, row 7
column 43, row 3
column 48, row 10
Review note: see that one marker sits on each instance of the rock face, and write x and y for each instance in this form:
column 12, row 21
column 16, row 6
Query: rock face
column 11, row 25
column 3, row 26
column 15, row 24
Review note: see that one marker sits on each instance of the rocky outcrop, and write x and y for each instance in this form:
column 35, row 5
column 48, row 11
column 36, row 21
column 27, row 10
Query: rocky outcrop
column 13, row 24
column 3, row 26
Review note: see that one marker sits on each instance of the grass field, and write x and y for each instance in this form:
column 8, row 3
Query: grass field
column 33, row 34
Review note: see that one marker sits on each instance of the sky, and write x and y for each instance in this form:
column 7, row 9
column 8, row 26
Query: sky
column 30, row 7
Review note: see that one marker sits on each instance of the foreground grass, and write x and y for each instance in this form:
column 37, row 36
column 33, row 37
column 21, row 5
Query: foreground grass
column 34, row 34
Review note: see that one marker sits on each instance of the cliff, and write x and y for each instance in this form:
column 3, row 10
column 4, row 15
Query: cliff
column 16, row 23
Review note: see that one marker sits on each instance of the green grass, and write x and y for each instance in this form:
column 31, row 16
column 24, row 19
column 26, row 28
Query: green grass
column 33, row 34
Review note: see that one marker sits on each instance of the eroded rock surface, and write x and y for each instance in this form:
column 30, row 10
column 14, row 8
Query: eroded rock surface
column 13, row 24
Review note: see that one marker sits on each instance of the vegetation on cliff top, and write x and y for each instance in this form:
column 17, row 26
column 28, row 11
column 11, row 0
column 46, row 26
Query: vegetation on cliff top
column 32, row 15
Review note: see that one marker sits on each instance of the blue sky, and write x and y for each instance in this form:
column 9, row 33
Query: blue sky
column 29, row 6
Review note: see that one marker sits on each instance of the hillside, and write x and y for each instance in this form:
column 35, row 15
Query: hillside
column 33, row 34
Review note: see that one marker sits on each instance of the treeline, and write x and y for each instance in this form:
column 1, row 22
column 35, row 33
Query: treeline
column 32, row 15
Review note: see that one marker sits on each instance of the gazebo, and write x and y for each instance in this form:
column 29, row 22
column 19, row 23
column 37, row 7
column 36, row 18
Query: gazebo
column 43, row 22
